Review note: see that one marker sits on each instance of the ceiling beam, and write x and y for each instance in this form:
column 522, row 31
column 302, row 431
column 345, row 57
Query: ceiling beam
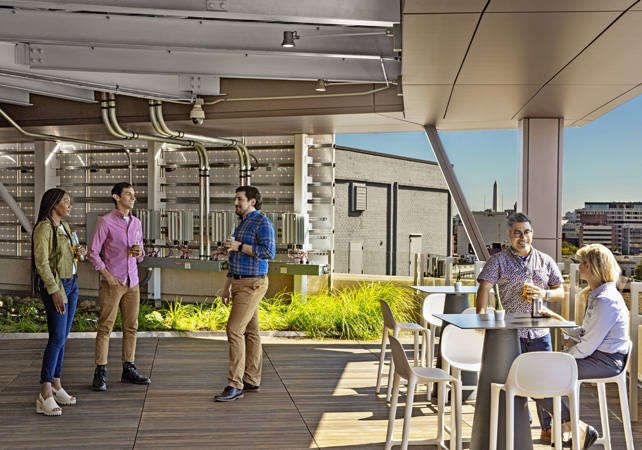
column 14, row 96
column 172, row 33
column 381, row 13
column 233, row 65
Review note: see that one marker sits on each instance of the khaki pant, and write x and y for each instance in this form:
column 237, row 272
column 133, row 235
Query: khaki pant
column 113, row 298
column 246, row 354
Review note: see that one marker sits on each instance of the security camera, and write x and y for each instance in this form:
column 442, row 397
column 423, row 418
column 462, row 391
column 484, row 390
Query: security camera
column 197, row 114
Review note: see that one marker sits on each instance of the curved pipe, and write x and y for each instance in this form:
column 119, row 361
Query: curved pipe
column 108, row 105
column 53, row 138
column 158, row 121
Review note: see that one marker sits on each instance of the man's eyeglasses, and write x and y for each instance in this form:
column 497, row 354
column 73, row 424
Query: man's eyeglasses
column 519, row 234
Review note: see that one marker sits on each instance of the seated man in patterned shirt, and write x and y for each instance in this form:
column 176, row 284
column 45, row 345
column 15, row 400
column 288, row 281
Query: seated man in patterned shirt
column 510, row 269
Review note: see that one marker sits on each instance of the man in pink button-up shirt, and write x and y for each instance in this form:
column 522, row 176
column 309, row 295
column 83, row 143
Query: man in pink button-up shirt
column 119, row 236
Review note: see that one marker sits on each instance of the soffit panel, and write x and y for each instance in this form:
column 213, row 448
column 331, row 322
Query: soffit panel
column 488, row 102
column 556, row 5
column 615, row 58
column 571, row 102
column 424, row 104
column 614, row 103
column 434, row 46
column 443, row 6
column 528, row 48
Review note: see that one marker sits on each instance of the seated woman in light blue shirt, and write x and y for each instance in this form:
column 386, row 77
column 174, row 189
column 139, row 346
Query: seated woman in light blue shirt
column 603, row 339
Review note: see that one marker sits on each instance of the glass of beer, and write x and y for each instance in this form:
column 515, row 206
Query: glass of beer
column 77, row 247
column 528, row 282
column 133, row 250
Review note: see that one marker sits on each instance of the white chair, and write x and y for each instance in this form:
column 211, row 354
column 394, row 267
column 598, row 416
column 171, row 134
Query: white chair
column 416, row 375
column 461, row 350
column 389, row 323
column 620, row 380
column 433, row 304
column 538, row 375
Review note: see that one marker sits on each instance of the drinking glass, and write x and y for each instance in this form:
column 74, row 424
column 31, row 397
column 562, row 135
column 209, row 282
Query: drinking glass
column 77, row 247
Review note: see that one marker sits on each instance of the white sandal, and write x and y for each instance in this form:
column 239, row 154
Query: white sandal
column 62, row 397
column 48, row 407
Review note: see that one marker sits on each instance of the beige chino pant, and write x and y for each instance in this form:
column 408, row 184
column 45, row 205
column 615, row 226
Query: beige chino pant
column 246, row 353
column 113, row 298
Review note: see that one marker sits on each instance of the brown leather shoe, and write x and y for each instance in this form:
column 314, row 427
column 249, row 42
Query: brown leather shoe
column 545, row 436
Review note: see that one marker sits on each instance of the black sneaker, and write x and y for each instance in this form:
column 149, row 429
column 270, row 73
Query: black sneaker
column 247, row 387
column 100, row 376
column 130, row 375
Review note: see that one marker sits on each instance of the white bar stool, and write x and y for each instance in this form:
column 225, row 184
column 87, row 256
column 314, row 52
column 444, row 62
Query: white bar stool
column 538, row 375
column 389, row 323
column 620, row 380
column 416, row 375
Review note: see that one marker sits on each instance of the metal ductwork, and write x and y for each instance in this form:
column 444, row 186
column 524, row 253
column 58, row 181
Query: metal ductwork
column 54, row 138
column 156, row 114
column 108, row 105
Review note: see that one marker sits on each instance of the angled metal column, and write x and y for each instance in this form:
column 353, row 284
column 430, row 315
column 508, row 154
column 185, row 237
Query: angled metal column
column 472, row 230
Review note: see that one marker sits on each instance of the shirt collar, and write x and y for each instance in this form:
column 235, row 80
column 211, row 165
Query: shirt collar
column 510, row 249
column 598, row 290
column 253, row 213
column 118, row 214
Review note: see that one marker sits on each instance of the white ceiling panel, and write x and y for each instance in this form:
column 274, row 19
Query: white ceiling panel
column 490, row 102
column 443, row 6
column 614, row 103
column 425, row 104
column 615, row 58
column 570, row 102
column 434, row 46
column 557, row 5
column 528, row 48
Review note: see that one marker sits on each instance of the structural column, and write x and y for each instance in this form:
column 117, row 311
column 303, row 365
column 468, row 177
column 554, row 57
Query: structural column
column 301, row 181
column 154, row 195
column 539, row 184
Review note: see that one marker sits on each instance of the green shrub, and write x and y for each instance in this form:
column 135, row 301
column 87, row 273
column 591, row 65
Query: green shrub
column 354, row 313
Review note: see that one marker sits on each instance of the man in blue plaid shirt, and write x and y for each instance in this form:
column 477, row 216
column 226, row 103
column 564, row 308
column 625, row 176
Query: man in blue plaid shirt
column 249, row 251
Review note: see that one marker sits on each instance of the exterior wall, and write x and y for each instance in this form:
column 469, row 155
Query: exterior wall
column 404, row 196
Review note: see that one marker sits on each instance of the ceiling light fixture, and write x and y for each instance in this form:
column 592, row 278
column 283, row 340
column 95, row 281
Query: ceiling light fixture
column 288, row 38
column 321, row 84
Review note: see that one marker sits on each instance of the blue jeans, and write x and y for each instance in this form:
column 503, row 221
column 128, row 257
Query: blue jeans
column 542, row 344
column 59, row 326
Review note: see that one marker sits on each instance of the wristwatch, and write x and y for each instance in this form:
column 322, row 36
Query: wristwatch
column 240, row 248
column 548, row 295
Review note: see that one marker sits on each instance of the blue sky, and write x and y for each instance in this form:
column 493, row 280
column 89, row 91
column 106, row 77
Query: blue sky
column 602, row 160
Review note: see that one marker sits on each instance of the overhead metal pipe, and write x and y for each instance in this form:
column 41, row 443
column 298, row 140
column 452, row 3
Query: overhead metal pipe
column 54, row 138
column 108, row 106
column 17, row 211
column 156, row 114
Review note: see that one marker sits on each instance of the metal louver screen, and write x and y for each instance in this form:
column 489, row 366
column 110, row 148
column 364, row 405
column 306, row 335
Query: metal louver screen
column 360, row 197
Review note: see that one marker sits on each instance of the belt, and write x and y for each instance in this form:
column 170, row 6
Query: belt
column 238, row 277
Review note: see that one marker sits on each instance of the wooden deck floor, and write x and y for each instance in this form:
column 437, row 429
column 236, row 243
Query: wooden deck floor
column 314, row 394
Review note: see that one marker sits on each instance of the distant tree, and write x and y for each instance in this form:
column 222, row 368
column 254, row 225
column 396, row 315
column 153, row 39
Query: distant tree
column 568, row 249
column 638, row 271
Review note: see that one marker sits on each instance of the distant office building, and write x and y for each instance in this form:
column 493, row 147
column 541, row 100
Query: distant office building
column 614, row 224
column 492, row 226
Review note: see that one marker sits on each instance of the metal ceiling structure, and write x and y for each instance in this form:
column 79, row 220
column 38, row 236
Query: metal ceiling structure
column 469, row 64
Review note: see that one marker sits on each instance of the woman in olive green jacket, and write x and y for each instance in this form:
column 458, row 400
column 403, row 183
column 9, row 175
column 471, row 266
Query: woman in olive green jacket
column 54, row 275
